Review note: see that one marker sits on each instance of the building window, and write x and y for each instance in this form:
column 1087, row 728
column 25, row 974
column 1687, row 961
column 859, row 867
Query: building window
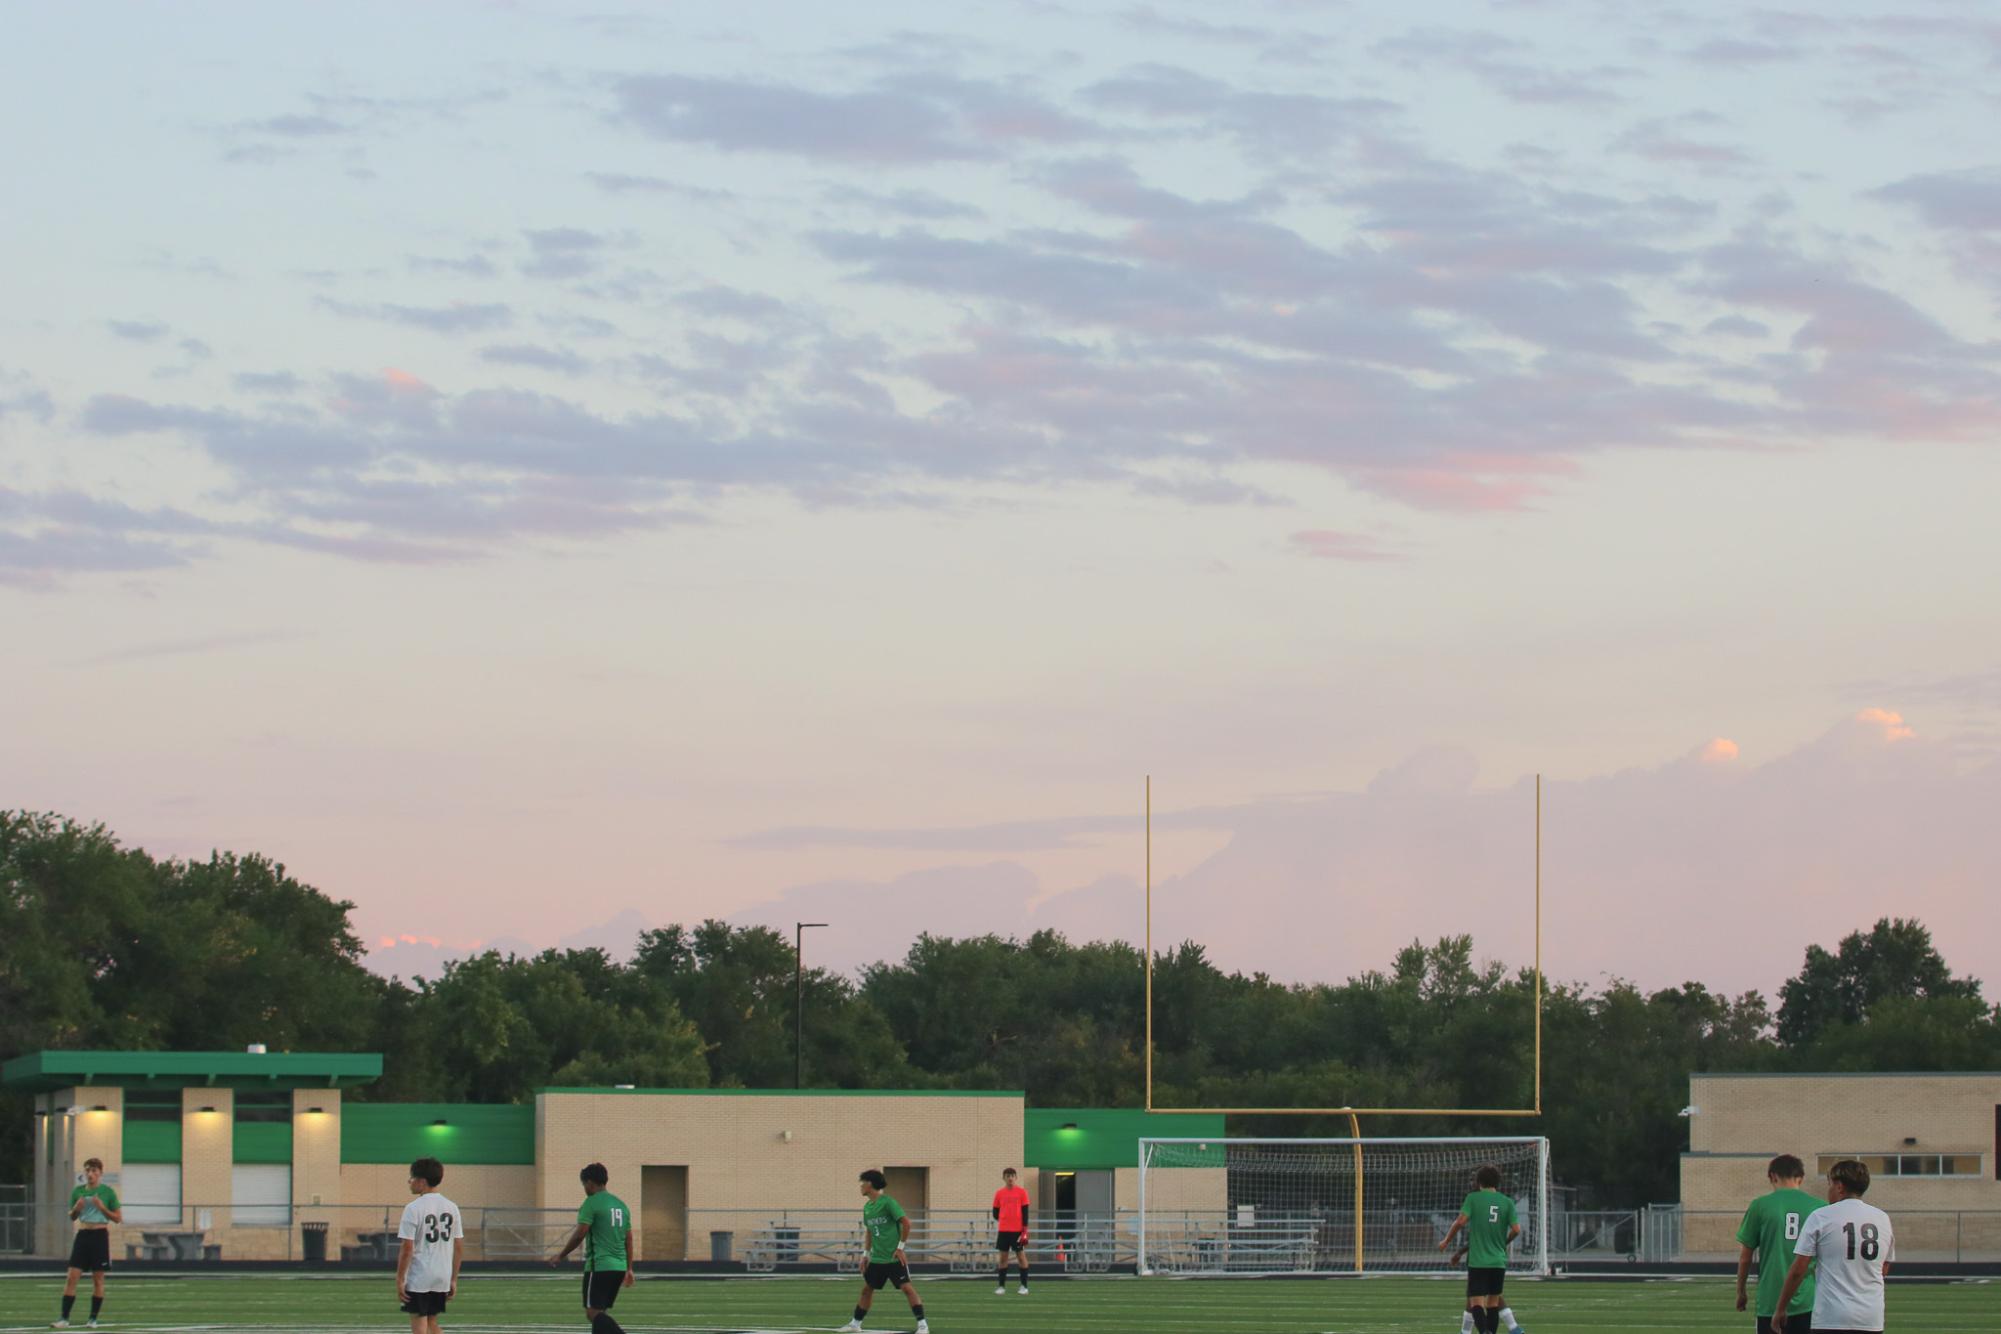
column 264, row 1108
column 1910, row 1164
column 153, row 1107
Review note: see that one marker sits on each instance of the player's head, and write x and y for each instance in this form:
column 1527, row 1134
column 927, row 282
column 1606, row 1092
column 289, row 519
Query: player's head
column 874, row 1183
column 1007, row 1175
column 1850, row 1178
column 1488, row 1177
column 1786, row 1170
column 93, row 1168
column 594, row 1178
column 427, row 1171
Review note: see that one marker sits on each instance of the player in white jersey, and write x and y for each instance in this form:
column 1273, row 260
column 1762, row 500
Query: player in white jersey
column 427, row 1263
column 1852, row 1244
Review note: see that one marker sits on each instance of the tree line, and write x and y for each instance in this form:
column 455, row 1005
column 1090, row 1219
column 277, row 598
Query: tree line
column 103, row 946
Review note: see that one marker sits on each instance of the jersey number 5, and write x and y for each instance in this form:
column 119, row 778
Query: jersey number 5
column 1493, row 1213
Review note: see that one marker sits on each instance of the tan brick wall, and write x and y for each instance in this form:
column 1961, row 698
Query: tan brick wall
column 738, row 1154
column 469, row 1186
column 1815, row 1115
column 316, row 1171
column 88, row 1134
column 1181, row 1188
column 206, row 1151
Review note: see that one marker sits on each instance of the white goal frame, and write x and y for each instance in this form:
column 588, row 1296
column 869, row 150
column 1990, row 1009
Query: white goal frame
column 1534, row 1261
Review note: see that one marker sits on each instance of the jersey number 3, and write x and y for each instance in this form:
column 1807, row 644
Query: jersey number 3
column 437, row 1227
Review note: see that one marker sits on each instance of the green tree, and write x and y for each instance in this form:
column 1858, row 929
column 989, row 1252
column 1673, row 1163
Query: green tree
column 1895, row 959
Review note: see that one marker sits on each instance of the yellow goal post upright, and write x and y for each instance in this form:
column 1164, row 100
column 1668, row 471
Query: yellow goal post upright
column 1355, row 1142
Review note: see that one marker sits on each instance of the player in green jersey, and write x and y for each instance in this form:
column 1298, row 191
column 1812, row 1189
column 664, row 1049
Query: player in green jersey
column 883, row 1261
column 1488, row 1218
column 1770, row 1227
column 604, row 1230
column 95, row 1208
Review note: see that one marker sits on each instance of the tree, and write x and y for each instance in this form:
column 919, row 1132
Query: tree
column 1896, row 958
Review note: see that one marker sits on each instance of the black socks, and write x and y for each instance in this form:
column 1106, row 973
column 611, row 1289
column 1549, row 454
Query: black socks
column 96, row 1305
column 861, row 1313
column 917, row 1309
column 602, row 1323
column 68, row 1302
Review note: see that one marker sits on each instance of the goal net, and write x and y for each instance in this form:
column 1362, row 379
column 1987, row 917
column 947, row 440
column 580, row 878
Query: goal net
column 1328, row 1206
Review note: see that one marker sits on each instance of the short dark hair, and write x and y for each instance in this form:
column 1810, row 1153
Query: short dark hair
column 1488, row 1177
column 876, row 1179
column 594, row 1173
column 1852, row 1174
column 1786, row 1167
column 430, row 1169
column 97, row 1163
column 1007, row 1171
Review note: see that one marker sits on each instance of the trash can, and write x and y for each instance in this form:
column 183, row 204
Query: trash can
column 719, row 1247
column 786, row 1244
column 313, row 1242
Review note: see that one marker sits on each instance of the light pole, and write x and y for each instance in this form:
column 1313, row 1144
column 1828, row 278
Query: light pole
column 799, row 930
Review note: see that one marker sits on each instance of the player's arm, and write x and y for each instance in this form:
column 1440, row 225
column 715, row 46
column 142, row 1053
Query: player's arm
column 76, row 1203
column 1024, row 1222
column 113, row 1207
column 577, row 1235
column 1743, row 1275
column 631, row 1257
column 902, row 1232
column 403, row 1253
column 1453, row 1231
column 458, row 1258
column 1794, row 1277
column 1514, row 1230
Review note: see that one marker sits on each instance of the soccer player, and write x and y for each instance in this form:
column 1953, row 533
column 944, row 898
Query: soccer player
column 1010, row 1231
column 1770, row 1227
column 94, row 1206
column 433, row 1244
column 604, row 1228
column 1851, row 1246
column 888, row 1228
column 1488, row 1217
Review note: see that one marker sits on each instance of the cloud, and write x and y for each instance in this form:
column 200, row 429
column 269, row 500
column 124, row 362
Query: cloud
column 1803, row 848
column 138, row 331
column 558, row 359
column 1326, row 544
column 469, row 266
column 563, row 252
column 194, row 645
column 457, row 318
column 294, row 126
column 267, row 382
column 904, row 119
column 905, row 203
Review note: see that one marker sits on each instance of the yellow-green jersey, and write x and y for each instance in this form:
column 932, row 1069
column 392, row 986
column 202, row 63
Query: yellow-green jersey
column 610, row 1222
column 1770, row 1227
column 1490, row 1216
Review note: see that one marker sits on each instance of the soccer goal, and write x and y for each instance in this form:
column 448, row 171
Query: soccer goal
column 1328, row 1206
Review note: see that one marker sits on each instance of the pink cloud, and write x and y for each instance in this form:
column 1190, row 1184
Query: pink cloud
column 1327, row 544
column 1721, row 750
column 1893, row 725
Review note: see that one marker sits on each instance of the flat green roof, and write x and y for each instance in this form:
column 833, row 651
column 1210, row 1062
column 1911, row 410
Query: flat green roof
column 796, row 1093
column 43, row 1071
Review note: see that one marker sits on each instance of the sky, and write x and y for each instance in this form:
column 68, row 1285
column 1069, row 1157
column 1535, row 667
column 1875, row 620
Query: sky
column 540, row 472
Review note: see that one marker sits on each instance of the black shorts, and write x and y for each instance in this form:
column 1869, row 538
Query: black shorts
column 1007, row 1241
column 1484, row 1282
column 425, row 1303
column 1795, row 1324
column 601, row 1288
column 891, row 1273
column 91, row 1250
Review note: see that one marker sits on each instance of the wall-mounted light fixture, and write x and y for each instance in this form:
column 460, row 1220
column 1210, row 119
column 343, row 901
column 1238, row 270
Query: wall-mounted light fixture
column 1910, row 1139
column 210, row 1110
column 316, row 1111
column 439, row 1122
column 73, row 1109
column 100, row 1107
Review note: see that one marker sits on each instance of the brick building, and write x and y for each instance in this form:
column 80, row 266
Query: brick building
column 251, row 1151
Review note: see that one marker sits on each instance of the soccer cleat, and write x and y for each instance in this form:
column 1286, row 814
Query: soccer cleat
column 851, row 1326
column 1001, row 1291
column 923, row 1327
column 90, row 1323
column 1024, row 1289
column 59, row 1324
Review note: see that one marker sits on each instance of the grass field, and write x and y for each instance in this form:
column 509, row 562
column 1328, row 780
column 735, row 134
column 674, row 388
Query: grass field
column 955, row 1306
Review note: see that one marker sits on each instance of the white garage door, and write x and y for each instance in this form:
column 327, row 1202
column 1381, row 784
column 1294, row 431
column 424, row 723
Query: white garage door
column 262, row 1194
column 151, row 1194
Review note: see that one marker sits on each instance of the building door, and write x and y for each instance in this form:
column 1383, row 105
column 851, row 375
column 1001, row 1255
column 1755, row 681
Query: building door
column 911, row 1188
column 663, row 1213
column 1093, row 1192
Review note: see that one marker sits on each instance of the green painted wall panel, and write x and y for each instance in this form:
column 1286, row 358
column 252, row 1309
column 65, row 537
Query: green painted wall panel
column 473, row 1133
column 1104, row 1137
column 152, row 1141
column 261, row 1142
